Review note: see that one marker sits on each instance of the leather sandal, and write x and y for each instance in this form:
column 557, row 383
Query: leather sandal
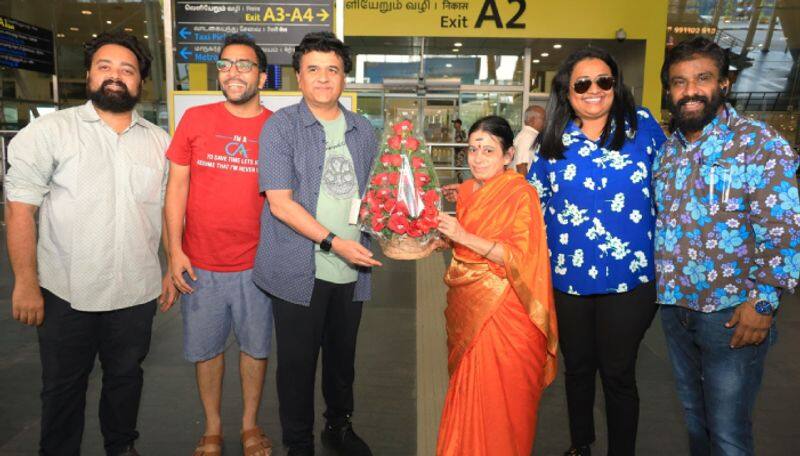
column 263, row 444
column 209, row 440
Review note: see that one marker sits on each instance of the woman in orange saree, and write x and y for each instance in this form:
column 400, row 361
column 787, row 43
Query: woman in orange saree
column 501, row 325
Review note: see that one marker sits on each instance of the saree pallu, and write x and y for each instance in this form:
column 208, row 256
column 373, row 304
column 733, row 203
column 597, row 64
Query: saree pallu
column 501, row 326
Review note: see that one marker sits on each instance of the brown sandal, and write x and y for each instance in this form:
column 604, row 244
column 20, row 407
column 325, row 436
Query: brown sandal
column 209, row 440
column 263, row 444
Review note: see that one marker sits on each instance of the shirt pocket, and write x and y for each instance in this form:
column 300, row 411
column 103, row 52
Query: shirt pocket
column 724, row 185
column 145, row 184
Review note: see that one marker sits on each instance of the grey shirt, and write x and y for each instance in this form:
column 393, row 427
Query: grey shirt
column 292, row 146
column 100, row 197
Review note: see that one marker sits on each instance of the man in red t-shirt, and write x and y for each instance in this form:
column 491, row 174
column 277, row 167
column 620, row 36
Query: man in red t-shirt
column 212, row 212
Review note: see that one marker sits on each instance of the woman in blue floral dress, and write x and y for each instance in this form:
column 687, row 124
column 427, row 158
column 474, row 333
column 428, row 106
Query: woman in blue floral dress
column 592, row 172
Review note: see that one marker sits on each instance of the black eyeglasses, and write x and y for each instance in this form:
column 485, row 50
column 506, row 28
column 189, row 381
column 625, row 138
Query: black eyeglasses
column 582, row 85
column 242, row 66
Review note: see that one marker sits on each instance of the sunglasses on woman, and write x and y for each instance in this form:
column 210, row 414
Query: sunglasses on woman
column 582, row 85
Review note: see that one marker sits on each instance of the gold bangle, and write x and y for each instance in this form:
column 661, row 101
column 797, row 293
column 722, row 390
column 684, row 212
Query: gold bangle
column 490, row 250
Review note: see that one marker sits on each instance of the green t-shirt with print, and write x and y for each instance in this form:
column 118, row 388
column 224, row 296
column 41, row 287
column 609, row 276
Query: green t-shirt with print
column 338, row 187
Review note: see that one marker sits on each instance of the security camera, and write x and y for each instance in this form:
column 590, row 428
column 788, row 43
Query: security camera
column 621, row 35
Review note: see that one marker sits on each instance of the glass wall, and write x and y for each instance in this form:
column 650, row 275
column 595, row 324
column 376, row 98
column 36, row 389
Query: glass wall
column 26, row 94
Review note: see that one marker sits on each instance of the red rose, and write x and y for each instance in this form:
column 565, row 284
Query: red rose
column 394, row 178
column 398, row 223
column 395, row 142
column 380, row 179
column 378, row 224
column 405, row 125
column 401, row 208
column 391, row 160
column 414, row 230
column 421, row 179
column 389, row 205
column 375, row 207
column 430, row 197
column 384, row 194
column 411, row 143
column 417, row 162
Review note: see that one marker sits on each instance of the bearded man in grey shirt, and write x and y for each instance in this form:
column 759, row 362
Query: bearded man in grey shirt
column 97, row 174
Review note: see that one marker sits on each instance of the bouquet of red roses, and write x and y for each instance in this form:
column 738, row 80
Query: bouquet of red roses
column 403, row 197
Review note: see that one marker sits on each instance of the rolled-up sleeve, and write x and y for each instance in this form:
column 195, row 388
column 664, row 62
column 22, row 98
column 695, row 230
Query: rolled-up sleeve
column 31, row 161
column 276, row 162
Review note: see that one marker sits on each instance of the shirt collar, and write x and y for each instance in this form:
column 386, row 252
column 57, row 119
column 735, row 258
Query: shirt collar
column 574, row 130
column 723, row 120
column 308, row 118
column 89, row 114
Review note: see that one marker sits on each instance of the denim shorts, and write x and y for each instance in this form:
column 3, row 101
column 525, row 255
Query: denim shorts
column 221, row 300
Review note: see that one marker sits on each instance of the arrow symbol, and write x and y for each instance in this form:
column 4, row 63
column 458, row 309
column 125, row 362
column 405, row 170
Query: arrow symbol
column 323, row 15
column 185, row 33
column 185, row 53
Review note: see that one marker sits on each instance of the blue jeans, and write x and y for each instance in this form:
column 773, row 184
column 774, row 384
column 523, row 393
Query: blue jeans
column 716, row 384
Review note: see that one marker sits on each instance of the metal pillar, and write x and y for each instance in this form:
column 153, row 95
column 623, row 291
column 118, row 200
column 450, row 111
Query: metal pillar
column 526, row 81
column 718, row 12
column 751, row 31
column 772, row 21
column 169, row 58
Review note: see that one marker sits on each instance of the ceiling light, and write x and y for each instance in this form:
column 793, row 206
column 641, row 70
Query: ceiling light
column 60, row 35
column 145, row 21
column 457, row 44
column 145, row 37
column 128, row 29
column 94, row 35
column 544, row 54
column 108, row 22
column 86, row 12
column 556, row 46
column 74, row 29
column 456, row 49
column 536, row 60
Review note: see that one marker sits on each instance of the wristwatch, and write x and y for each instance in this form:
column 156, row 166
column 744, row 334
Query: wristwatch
column 764, row 307
column 327, row 243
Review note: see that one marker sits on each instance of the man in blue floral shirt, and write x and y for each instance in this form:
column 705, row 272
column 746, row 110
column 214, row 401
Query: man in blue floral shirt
column 727, row 235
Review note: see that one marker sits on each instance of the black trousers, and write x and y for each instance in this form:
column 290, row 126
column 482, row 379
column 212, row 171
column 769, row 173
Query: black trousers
column 603, row 332
column 331, row 323
column 69, row 341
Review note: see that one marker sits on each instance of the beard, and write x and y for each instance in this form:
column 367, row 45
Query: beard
column 110, row 100
column 690, row 123
column 246, row 96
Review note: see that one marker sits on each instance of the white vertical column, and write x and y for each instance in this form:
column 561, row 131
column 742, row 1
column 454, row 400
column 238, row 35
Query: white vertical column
column 169, row 59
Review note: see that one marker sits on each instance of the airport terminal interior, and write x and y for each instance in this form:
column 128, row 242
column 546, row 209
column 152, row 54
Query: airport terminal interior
column 430, row 76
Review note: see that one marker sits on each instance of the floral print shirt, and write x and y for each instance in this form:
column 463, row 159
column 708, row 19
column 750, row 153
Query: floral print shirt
column 728, row 225
column 598, row 209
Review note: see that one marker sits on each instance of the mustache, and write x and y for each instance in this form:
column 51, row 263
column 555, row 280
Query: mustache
column 683, row 101
column 113, row 82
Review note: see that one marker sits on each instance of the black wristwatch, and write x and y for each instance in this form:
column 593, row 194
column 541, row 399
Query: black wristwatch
column 327, row 243
column 764, row 308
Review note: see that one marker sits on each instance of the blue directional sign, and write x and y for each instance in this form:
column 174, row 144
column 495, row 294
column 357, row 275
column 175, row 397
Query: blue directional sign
column 277, row 26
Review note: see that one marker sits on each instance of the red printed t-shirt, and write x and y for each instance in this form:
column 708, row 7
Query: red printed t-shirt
column 224, row 206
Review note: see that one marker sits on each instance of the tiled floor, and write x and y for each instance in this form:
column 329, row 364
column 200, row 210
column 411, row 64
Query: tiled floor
column 388, row 375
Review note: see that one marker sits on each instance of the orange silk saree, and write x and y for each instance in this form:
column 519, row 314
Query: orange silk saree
column 501, row 324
